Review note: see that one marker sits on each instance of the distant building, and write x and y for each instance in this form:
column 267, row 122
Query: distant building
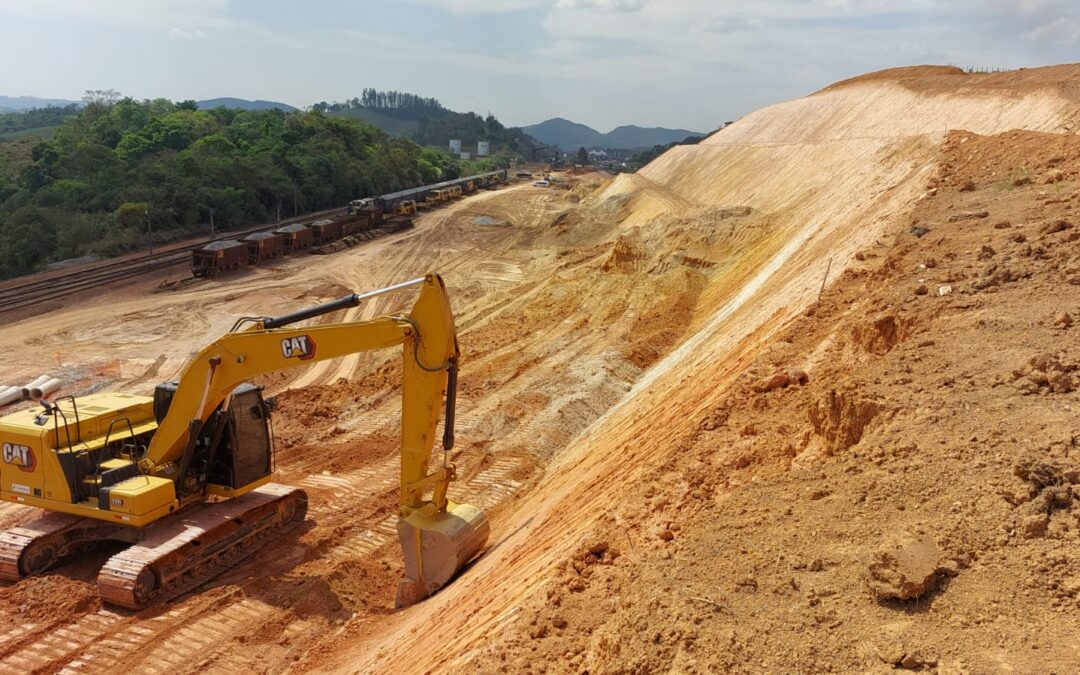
column 597, row 155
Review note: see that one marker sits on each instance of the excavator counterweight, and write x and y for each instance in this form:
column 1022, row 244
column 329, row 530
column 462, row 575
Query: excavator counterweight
column 147, row 472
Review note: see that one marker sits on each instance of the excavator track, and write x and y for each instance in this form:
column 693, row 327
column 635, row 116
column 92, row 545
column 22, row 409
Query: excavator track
column 38, row 545
column 189, row 550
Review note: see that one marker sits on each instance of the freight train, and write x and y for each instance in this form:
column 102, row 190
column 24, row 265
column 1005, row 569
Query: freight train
column 362, row 215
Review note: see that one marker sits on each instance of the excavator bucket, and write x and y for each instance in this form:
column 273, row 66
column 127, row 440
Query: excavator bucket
column 437, row 547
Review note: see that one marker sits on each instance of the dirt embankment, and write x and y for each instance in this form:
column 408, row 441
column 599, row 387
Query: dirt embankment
column 832, row 181
column 895, row 483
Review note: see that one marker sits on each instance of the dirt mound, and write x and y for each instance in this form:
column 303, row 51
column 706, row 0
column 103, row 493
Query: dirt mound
column 904, row 73
column 50, row 599
column 950, row 79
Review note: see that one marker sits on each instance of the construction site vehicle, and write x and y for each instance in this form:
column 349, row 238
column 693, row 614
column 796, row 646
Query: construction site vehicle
column 436, row 197
column 362, row 215
column 184, row 477
column 358, row 205
column 406, row 207
column 218, row 256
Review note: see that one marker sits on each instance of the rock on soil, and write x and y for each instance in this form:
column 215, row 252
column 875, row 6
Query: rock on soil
column 906, row 571
column 968, row 215
column 782, row 379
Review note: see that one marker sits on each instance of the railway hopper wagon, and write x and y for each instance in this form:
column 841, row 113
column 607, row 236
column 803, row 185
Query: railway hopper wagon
column 326, row 230
column 297, row 237
column 265, row 245
column 219, row 256
column 362, row 221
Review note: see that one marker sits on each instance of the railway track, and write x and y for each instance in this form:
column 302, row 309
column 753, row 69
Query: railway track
column 40, row 291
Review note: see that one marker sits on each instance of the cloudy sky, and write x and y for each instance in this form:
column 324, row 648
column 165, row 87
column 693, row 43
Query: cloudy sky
column 676, row 63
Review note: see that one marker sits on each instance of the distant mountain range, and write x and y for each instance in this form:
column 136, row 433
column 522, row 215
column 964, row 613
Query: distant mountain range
column 570, row 136
column 244, row 104
column 19, row 103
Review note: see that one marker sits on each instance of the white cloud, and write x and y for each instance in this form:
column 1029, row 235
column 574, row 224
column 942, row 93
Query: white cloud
column 506, row 6
column 160, row 13
column 481, row 6
column 722, row 24
column 186, row 34
column 603, row 5
column 179, row 18
column 1062, row 29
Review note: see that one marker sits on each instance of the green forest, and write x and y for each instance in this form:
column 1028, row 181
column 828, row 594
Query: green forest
column 118, row 172
column 427, row 122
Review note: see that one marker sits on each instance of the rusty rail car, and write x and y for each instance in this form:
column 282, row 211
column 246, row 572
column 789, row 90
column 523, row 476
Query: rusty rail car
column 365, row 215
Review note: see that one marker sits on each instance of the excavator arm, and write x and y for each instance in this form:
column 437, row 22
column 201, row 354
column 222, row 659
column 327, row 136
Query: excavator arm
column 438, row 536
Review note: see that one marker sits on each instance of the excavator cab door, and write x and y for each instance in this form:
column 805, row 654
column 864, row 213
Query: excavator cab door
column 251, row 451
column 237, row 441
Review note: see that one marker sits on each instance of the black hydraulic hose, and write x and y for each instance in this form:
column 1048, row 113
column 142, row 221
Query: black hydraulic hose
column 451, row 406
column 318, row 310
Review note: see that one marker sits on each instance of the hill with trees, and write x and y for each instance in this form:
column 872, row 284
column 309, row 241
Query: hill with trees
column 34, row 122
column 642, row 158
column 119, row 169
column 427, row 122
column 244, row 104
column 19, row 103
column 568, row 135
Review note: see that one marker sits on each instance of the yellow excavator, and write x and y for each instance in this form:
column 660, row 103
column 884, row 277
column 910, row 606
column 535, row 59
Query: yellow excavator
column 184, row 477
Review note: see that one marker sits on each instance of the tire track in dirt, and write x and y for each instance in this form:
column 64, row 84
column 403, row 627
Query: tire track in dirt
column 56, row 646
column 187, row 638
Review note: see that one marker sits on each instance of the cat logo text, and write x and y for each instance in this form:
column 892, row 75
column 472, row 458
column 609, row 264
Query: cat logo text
column 300, row 347
column 19, row 455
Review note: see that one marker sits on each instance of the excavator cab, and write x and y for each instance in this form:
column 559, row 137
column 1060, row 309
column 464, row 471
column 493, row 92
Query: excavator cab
column 233, row 449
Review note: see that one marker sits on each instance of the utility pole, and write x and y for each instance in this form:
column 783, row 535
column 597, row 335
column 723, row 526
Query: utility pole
column 212, row 211
column 149, row 229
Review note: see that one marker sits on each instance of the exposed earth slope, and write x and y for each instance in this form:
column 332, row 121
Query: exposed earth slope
column 828, row 177
column 730, row 413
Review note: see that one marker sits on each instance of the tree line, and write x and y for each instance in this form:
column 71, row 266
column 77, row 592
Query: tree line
column 119, row 169
column 36, row 118
column 384, row 101
column 645, row 156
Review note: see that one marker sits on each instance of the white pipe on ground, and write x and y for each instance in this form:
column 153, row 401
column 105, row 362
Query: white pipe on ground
column 43, row 390
column 10, row 395
column 36, row 383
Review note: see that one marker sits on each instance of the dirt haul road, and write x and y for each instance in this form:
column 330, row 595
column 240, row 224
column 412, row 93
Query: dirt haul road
column 605, row 330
